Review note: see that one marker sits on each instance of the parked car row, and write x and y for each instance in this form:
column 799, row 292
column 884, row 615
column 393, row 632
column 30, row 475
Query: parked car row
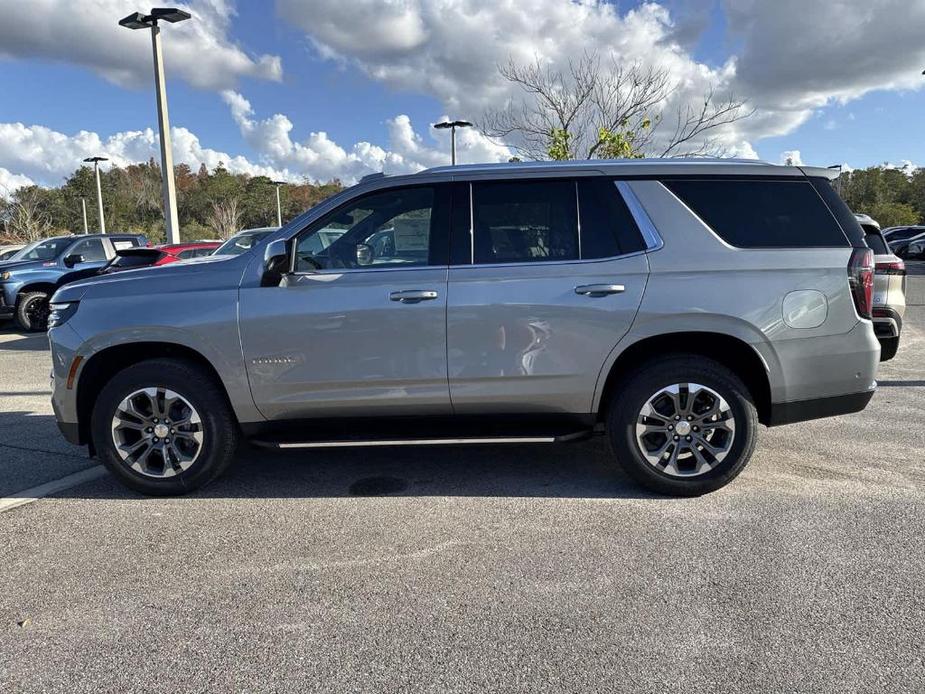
column 889, row 288
column 31, row 274
column 906, row 242
column 672, row 305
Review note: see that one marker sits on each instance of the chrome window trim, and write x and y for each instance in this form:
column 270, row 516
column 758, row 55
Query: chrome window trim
column 647, row 228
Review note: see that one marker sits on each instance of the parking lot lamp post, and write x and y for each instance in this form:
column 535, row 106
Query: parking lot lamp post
column 83, row 207
column 99, row 191
column 279, row 207
column 452, row 125
column 137, row 20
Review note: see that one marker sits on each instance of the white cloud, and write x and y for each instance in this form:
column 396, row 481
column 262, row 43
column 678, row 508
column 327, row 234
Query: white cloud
column 40, row 154
column 319, row 157
column 795, row 56
column 791, row 158
column 199, row 51
column 9, row 182
column 46, row 156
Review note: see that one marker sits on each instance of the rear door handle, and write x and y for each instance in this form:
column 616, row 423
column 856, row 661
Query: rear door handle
column 599, row 289
column 413, row 296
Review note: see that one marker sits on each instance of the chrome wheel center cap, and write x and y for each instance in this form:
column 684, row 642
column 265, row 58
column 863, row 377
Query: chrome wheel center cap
column 161, row 430
column 683, row 428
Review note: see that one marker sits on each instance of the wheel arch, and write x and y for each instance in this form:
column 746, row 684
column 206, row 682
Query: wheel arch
column 43, row 286
column 730, row 351
column 106, row 363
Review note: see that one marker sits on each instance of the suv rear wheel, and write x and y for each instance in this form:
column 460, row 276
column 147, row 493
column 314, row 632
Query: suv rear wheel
column 683, row 425
column 32, row 312
column 163, row 428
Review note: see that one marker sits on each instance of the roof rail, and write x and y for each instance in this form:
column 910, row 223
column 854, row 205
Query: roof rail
column 372, row 176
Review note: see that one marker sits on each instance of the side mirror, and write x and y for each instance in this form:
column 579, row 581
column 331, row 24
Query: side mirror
column 72, row 260
column 915, row 250
column 364, row 254
column 275, row 263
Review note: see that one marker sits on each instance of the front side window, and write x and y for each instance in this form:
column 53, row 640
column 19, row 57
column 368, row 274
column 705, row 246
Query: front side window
column 762, row 213
column 91, row 250
column 524, row 222
column 390, row 228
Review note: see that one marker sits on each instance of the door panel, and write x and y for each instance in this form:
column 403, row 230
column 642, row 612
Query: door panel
column 522, row 339
column 331, row 344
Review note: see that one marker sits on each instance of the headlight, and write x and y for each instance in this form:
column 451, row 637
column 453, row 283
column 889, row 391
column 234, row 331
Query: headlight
column 60, row 313
column 5, row 276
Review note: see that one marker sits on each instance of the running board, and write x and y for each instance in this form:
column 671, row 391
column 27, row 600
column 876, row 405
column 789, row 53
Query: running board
column 462, row 441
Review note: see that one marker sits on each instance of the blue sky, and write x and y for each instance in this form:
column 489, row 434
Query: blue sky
column 351, row 72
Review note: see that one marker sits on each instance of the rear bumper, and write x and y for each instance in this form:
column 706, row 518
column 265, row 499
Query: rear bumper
column 887, row 322
column 803, row 410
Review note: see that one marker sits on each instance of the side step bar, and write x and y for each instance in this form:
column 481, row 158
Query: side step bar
column 461, row 441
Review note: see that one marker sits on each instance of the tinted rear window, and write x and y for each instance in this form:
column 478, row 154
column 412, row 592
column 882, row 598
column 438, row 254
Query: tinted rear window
column 607, row 227
column 875, row 241
column 518, row 222
column 762, row 213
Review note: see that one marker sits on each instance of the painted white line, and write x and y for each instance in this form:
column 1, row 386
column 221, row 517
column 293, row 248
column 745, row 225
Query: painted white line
column 27, row 496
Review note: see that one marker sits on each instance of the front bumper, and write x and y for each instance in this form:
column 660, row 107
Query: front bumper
column 7, row 306
column 65, row 343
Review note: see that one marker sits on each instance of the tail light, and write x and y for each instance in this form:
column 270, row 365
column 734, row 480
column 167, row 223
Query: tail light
column 896, row 267
column 861, row 280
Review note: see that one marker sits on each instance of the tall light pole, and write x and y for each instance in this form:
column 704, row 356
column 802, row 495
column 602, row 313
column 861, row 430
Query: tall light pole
column 279, row 207
column 83, row 207
column 99, row 191
column 452, row 125
column 137, row 20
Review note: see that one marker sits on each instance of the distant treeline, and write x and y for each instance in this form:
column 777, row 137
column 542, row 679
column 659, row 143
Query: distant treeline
column 893, row 197
column 216, row 204
column 211, row 204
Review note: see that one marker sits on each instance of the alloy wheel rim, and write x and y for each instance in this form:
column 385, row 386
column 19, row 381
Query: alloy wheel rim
column 685, row 430
column 37, row 310
column 157, row 432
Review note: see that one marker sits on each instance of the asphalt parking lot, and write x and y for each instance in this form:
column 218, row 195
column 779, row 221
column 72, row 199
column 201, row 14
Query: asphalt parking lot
column 479, row 568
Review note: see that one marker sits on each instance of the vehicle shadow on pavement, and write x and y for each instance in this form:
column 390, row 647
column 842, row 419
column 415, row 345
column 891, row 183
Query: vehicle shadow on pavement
column 584, row 469
column 580, row 470
column 23, row 342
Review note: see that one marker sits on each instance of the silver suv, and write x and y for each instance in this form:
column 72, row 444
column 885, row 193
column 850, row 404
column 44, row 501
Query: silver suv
column 673, row 305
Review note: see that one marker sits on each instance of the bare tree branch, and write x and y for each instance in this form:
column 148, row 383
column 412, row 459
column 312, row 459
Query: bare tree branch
column 584, row 109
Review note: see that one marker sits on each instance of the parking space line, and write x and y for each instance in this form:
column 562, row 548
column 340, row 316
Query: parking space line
column 27, row 496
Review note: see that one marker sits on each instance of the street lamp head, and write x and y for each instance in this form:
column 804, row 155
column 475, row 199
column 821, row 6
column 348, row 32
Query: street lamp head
column 452, row 124
column 136, row 20
column 169, row 14
column 92, row 160
column 279, row 183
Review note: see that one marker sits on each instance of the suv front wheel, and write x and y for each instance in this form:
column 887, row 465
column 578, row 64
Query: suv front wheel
column 163, row 427
column 32, row 312
column 683, row 425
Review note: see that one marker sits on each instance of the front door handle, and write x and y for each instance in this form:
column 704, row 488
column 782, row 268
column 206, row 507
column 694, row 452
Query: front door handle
column 413, row 296
column 599, row 289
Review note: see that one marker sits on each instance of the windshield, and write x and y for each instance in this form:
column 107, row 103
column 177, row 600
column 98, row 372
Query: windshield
column 43, row 250
column 241, row 243
column 902, row 234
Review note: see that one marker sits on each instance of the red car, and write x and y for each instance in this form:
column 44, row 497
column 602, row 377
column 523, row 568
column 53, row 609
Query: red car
column 183, row 251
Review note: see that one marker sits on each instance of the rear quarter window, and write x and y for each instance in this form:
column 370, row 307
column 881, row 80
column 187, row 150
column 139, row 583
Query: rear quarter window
column 762, row 213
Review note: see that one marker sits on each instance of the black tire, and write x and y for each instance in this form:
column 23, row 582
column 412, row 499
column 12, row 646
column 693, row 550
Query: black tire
column 219, row 426
column 32, row 312
column 635, row 390
column 888, row 348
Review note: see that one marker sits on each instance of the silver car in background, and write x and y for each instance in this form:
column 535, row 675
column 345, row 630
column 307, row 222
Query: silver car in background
column 672, row 305
column 889, row 289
